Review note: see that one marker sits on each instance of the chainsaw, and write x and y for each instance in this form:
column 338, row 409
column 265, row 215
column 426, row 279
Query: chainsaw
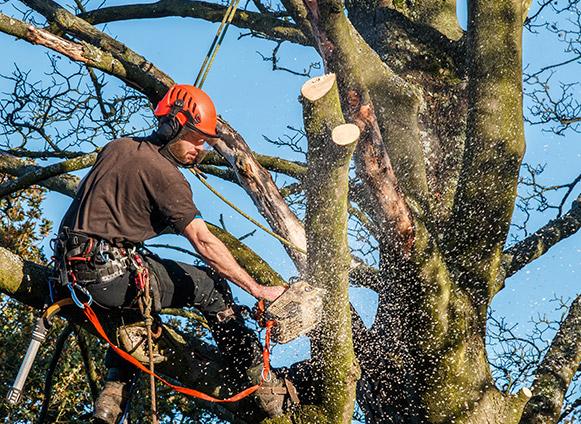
column 296, row 312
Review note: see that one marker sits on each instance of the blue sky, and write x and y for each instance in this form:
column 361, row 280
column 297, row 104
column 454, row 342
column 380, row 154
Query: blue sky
column 257, row 102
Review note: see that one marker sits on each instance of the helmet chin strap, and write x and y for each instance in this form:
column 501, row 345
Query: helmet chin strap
column 166, row 152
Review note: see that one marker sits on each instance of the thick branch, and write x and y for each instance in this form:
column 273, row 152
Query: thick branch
column 64, row 184
column 260, row 186
column 331, row 145
column 556, row 371
column 438, row 15
column 84, row 53
column 495, row 138
column 267, row 25
column 41, row 174
column 537, row 244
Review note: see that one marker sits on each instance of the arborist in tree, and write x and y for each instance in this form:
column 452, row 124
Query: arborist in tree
column 134, row 192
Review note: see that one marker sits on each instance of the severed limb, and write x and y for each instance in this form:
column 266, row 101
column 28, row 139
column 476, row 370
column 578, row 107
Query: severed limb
column 388, row 157
column 331, row 145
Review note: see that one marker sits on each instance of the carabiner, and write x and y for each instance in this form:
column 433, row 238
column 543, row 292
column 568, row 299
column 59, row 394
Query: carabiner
column 76, row 299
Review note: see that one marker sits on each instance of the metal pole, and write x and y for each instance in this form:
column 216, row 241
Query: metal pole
column 38, row 336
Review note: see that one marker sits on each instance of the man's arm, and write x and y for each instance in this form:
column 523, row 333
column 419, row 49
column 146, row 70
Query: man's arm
column 217, row 255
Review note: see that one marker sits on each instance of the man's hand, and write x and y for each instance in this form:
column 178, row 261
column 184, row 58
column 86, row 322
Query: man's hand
column 271, row 293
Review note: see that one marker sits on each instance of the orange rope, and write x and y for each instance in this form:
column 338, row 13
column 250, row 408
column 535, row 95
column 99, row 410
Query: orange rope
column 92, row 317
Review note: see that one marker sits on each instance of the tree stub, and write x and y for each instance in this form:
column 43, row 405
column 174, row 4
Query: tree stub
column 315, row 88
column 345, row 134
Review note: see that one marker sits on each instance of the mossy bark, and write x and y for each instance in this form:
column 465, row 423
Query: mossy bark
column 495, row 142
column 328, row 254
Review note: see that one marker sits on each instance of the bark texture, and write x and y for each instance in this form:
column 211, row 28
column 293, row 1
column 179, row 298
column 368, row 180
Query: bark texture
column 327, row 249
column 439, row 112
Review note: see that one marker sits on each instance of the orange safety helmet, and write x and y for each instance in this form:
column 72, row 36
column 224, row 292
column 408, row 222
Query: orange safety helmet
column 191, row 107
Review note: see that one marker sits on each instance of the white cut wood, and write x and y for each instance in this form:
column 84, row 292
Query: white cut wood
column 345, row 134
column 317, row 87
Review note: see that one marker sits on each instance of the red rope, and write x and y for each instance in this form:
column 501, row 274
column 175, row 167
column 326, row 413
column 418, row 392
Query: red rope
column 92, row 317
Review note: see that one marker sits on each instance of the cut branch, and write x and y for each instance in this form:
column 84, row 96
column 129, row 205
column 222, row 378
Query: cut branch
column 537, row 244
column 556, row 371
column 259, row 22
column 331, row 145
column 368, row 85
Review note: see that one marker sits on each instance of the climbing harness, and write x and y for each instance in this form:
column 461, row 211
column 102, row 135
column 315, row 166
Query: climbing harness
column 92, row 317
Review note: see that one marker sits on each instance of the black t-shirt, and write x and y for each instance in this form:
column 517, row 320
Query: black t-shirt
column 131, row 194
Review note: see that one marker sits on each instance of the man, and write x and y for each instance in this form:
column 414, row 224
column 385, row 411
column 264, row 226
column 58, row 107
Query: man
column 134, row 192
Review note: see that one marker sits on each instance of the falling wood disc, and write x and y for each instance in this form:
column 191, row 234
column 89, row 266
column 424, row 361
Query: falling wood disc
column 345, row 134
column 317, row 87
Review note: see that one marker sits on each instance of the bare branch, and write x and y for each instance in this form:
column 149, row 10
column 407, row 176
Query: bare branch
column 64, row 184
column 261, row 22
column 83, row 53
column 537, row 244
column 131, row 67
column 45, row 173
column 556, row 370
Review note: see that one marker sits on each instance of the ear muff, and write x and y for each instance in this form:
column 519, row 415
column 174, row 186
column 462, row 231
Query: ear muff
column 168, row 129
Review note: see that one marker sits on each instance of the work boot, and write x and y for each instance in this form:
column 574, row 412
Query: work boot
column 111, row 402
column 276, row 395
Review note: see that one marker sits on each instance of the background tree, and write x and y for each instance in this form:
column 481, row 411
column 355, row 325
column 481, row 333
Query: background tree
column 437, row 154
